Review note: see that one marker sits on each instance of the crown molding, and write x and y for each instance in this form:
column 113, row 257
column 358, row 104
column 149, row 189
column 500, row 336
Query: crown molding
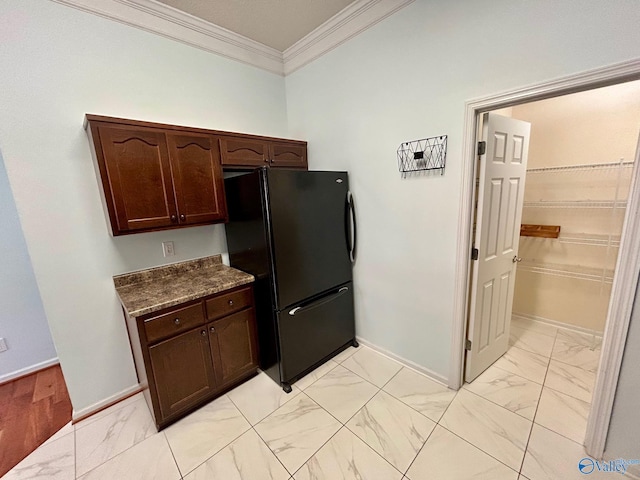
column 340, row 28
column 161, row 19
column 155, row 17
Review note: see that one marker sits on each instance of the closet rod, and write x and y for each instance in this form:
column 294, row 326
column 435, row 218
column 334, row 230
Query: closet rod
column 580, row 167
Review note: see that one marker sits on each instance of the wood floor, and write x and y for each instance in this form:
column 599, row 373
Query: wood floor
column 32, row 409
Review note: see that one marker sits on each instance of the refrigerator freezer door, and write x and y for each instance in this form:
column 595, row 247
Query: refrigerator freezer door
column 312, row 331
column 309, row 218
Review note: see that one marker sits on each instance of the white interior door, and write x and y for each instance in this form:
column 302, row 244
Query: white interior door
column 500, row 196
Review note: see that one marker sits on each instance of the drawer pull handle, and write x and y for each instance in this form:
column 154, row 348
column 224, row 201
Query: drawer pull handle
column 177, row 321
column 203, row 333
column 213, row 330
column 231, row 302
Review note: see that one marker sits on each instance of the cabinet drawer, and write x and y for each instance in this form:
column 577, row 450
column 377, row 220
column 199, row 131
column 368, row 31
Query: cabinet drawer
column 231, row 302
column 174, row 322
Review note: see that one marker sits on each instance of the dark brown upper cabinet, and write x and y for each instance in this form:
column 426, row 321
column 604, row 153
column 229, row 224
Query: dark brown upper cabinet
column 242, row 152
column 136, row 177
column 255, row 152
column 155, row 178
column 290, row 155
column 197, row 176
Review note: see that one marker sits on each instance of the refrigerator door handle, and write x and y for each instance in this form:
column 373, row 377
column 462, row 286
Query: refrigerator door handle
column 319, row 302
column 353, row 230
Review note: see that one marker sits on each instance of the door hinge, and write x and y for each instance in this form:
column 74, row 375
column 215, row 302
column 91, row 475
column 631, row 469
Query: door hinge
column 474, row 254
column 482, row 148
column 467, row 345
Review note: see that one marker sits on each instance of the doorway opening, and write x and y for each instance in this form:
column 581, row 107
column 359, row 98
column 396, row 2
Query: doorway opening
column 578, row 175
column 625, row 281
column 581, row 153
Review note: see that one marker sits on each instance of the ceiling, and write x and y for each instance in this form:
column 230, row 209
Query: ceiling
column 275, row 23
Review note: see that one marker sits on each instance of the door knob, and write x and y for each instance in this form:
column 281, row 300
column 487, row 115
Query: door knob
column 182, row 217
column 516, row 259
column 174, row 219
column 213, row 330
column 177, row 321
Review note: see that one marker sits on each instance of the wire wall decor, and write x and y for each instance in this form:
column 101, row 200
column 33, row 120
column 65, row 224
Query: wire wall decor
column 421, row 156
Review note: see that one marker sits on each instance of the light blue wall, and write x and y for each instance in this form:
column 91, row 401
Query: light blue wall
column 23, row 323
column 408, row 77
column 58, row 63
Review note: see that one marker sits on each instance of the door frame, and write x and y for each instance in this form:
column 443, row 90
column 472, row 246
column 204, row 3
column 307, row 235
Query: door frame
column 627, row 271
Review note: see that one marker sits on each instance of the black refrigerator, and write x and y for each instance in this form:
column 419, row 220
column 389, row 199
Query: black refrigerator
column 295, row 231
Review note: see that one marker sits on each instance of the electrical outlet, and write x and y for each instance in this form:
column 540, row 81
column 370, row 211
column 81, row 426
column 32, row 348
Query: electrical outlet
column 3, row 345
column 167, row 249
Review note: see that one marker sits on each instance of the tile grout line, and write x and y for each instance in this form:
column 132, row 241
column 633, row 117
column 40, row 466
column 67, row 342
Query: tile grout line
column 510, row 373
column 302, row 392
column 533, row 421
column 498, row 405
column 576, row 366
column 363, row 441
column 344, row 425
column 477, row 447
column 321, row 446
column 257, row 433
column 123, row 451
column 105, row 413
column 220, row 449
column 404, row 474
column 268, row 447
column 567, row 394
column 172, row 454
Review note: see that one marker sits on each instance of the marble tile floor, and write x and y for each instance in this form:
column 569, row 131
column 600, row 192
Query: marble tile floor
column 359, row 416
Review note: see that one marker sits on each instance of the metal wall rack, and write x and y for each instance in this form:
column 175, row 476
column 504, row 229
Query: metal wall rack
column 422, row 155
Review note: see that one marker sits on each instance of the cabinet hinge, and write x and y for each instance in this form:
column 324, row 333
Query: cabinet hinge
column 482, row 148
column 467, row 345
column 474, row 254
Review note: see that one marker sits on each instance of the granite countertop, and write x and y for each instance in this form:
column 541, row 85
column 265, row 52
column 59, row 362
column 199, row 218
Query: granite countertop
column 147, row 291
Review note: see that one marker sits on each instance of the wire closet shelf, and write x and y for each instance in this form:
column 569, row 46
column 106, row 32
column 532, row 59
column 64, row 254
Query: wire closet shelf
column 422, row 155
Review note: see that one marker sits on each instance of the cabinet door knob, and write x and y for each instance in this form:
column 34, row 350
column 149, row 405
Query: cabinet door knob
column 212, row 329
column 174, row 219
column 177, row 321
column 230, row 302
column 183, row 217
column 203, row 333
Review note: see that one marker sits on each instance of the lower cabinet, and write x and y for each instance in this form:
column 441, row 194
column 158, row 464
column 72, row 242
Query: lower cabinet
column 233, row 346
column 192, row 353
column 182, row 371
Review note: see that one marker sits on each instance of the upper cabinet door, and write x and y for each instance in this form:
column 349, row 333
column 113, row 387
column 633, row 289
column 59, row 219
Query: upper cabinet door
column 139, row 178
column 244, row 152
column 197, row 177
column 288, row 155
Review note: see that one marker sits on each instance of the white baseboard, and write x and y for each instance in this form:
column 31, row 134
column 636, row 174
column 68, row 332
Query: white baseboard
column 555, row 323
column 96, row 407
column 436, row 377
column 27, row 370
